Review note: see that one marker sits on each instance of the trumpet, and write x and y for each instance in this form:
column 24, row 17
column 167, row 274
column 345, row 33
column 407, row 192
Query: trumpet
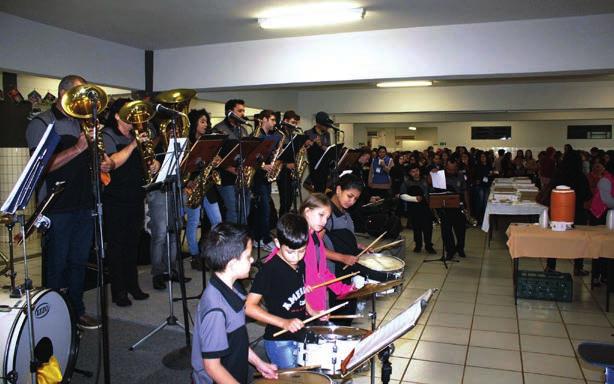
column 138, row 113
column 79, row 102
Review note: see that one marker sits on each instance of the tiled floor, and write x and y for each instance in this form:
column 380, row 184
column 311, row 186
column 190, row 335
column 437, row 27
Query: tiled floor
column 471, row 331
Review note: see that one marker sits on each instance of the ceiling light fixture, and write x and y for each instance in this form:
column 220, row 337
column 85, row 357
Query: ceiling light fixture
column 311, row 15
column 412, row 128
column 408, row 83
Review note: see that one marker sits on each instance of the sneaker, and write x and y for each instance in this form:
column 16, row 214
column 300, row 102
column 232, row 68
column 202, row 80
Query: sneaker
column 86, row 321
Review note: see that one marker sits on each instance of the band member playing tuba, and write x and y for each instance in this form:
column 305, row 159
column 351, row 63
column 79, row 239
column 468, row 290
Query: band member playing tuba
column 123, row 205
column 66, row 245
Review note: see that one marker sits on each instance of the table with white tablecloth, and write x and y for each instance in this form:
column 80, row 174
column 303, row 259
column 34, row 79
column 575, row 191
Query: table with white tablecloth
column 496, row 207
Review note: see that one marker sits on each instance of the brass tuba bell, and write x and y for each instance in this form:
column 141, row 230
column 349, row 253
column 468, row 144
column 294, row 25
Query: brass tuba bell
column 78, row 102
column 138, row 113
column 179, row 100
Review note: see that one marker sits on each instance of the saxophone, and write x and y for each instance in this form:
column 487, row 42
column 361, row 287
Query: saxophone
column 138, row 113
column 277, row 165
column 195, row 195
column 301, row 163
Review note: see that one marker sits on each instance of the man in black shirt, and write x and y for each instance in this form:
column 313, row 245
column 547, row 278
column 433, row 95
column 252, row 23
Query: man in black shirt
column 67, row 244
column 319, row 140
column 232, row 127
column 284, row 180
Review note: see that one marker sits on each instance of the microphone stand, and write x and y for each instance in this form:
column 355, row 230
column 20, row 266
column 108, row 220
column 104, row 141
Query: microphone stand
column 99, row 247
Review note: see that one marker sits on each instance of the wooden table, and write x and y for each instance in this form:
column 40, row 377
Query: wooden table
column 587, row 242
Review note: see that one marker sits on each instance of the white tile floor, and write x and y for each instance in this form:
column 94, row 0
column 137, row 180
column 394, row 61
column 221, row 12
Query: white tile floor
column 471, row 332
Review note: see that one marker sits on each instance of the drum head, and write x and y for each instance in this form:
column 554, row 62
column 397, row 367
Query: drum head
column 338, row 332
column 382, row 263
column 54, row 331
column 301, row 377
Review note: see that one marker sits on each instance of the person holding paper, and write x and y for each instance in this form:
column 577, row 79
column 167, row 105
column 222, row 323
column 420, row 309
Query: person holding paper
column 452, row 219
column 415, row 192
column 66, row 245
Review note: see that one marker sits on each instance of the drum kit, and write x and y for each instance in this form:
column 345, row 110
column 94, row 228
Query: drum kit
column 325, row 347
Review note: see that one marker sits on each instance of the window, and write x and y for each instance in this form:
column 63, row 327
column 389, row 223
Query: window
column 491, row 133
column 589, row 132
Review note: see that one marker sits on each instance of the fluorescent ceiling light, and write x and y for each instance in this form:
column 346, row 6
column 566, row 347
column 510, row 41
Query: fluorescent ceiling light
column 408, row 83
column 311, row 15
column 412, row 128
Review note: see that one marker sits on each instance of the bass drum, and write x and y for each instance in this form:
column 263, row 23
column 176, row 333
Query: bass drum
column 54, row 325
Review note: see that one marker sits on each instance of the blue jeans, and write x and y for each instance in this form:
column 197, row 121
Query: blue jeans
column 283, row 353
column 66, row 249
column 230, row 195
column 213, row 214
column 159, row 222
column 262, row 194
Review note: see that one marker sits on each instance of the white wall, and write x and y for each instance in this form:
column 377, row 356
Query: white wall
column 36, row 48
column 487, row 49
column 28, row 83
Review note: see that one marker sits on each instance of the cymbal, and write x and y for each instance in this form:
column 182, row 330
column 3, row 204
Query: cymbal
column 370, row 289
column 175, row 96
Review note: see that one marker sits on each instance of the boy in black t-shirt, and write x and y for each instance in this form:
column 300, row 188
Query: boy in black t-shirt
column 281, row 283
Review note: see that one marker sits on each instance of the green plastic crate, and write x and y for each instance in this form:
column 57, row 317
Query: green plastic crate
column 537, row 285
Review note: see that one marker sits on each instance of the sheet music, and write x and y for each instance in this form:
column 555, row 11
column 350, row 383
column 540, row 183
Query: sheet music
column 168, row 165
column 330, row 148
column 439, row 179
column 388, row 333
column 23, row 188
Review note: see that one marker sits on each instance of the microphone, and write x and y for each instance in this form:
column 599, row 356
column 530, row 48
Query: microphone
column 335, row 128
column 167, row 111
column 292, row 127
column 92, row 94
column 238, row 118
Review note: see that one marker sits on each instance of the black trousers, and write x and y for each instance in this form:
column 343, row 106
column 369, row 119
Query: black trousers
column 122, row 228
column 452, row 230
column 422, row 224
column 599, row 266
column 284, row 185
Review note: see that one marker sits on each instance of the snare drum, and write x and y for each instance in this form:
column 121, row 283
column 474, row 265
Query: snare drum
column 380, row 268
column 53, row 320
column 298, row 377
column 327, row 346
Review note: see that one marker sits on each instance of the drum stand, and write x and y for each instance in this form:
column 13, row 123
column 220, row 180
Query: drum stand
column 373, row 317
column 384, row 357
column 15, row 293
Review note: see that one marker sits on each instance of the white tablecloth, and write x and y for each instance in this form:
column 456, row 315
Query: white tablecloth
column 521, row 208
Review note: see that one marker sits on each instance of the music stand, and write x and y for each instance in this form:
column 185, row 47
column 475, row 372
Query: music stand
column 17, row 201
column 329, row 157
column 202, row 152
column 348, row 159
column 382, row 339
column 442, row 201
column 254, row 151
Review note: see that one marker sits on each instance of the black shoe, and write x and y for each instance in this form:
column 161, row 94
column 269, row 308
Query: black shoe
column 159, row 282
column 175, row 277
column 417, row 249
column 462, row 254
column 197, row 263
column 450, row 255
column 580, row 272
column 86, row 321
column 139, row 295
column 122, row 301
column 549, row 270
column 431, row 250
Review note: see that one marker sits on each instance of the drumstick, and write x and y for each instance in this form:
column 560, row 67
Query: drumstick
column 335, row 280
column 368, row 247
column 315, row 317
column 345, row 316
column 389, row 245
column 290, row 370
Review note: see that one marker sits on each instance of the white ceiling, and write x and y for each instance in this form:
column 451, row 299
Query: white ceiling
column 159, row 24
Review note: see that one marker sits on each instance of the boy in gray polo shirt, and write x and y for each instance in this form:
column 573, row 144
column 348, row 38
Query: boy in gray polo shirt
column 220, row 349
